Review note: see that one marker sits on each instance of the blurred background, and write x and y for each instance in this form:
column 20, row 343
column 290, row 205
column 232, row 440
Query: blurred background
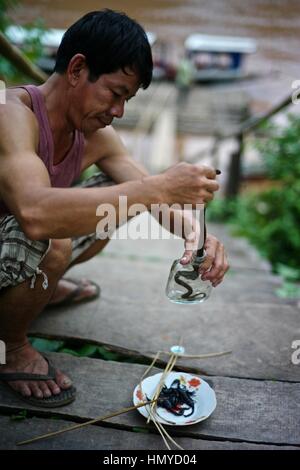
column 225, row 72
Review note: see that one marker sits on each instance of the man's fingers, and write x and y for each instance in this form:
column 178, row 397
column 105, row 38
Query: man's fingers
column 207, row 190
column 210, row 185
column 218, row 270
column 222, row 274
column 207, row 264
column 187, row 257
column 218, row 262
column 208, row 171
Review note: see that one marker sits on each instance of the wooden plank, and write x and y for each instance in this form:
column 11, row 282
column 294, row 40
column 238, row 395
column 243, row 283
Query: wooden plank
column 247, row 410
column 163, row 141
column 100, row 438
column 240, row 285
column 207, row 112
column 171, row 249
column 240, row 253
column 133, row 313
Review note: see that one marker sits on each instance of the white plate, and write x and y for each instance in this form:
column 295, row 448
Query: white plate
column 204, row 398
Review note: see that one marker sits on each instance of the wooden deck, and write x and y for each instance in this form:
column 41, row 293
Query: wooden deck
column 206, row 111
column 257, row 386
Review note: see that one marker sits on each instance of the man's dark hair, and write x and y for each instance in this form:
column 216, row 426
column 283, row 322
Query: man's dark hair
column 110, row 41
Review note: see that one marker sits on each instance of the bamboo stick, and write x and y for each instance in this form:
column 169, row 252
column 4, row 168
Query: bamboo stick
column 81, row 425
column 20, row 61
column 169, row 367
column 198, row 356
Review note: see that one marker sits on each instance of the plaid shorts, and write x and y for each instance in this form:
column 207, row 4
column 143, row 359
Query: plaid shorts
column 20, row 257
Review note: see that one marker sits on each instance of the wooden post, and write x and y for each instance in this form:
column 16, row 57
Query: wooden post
column 20, row 61
column 234, row 176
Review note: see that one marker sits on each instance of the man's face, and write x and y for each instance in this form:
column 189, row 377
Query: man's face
column 101, row 101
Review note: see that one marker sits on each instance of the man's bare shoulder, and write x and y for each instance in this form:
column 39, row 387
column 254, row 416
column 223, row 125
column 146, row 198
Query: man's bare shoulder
column 18, row 124
column 19, row 96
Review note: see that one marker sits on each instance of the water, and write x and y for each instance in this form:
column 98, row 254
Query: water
column 273, row 23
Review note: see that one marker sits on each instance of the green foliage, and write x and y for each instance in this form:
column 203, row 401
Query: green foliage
column 271, row 219
column 88, row 172
column 140, row 430
column 221, row 210
column 7, row 70
column 87, row 350
column 5, row 5
column 281, row 152
column 44, row 345
column 20, row 416
column 32, row 47
column 288, row 290
column 288, row 273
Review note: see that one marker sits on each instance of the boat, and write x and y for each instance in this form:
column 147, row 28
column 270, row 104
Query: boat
column 218, row 57
column 51, row 39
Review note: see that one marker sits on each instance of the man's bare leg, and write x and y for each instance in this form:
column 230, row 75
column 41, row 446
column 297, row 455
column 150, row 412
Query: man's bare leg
column 19, row 306
column 64, row 287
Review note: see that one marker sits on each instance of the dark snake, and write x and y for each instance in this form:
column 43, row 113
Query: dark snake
column 191, row 275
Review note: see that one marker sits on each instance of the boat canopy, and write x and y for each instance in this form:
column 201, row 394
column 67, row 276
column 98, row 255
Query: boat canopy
column 51, row 38
column 151, row 37
column 228, row 44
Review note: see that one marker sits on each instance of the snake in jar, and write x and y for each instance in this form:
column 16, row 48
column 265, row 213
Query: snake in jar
column 192, row 276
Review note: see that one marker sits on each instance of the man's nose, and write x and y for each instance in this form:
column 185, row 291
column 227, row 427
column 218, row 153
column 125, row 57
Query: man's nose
column 117, row 110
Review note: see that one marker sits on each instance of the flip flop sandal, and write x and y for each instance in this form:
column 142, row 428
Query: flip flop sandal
column 70, row 298
column 63, row 398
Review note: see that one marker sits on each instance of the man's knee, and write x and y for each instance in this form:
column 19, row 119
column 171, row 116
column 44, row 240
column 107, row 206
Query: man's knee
column 58, row 256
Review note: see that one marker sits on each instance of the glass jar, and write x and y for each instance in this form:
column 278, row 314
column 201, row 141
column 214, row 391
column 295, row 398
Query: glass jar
column 185, row 285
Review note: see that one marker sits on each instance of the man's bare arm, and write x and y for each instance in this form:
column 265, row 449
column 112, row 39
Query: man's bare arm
column 43, row 211
column 107, row 151
column 46, row 212
column 115, row 161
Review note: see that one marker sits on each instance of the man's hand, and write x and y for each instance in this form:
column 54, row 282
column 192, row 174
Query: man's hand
column 189, row 184
column 215, row 264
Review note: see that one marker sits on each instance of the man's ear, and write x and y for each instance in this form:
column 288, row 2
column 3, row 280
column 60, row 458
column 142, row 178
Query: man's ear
column 76, row 69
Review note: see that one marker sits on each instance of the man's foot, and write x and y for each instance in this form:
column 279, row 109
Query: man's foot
column 26, row 359
column 70, row 291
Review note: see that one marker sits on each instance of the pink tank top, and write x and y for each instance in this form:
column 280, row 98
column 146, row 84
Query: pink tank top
column 68, row 170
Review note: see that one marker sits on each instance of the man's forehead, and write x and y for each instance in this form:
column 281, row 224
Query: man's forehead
column 126, row 81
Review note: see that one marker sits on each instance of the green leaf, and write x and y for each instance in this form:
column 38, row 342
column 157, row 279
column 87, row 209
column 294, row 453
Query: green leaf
column 288, row 290
column 20, row 416
column 88, row 350
column 287, row 272
column 140, row 430
column 46, row 345
column 70, row 351
column 107, row 355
